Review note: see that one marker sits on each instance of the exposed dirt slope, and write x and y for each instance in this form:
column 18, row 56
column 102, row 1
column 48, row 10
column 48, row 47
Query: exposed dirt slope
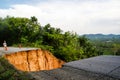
column 34, row 60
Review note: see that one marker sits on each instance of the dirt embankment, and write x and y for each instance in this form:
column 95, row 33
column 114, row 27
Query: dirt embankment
column 34, row 60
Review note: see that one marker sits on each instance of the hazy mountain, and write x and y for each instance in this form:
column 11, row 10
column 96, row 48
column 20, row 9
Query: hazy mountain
column 102, row 36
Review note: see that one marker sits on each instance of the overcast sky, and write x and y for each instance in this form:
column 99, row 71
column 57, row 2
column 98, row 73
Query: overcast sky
column 81, row 16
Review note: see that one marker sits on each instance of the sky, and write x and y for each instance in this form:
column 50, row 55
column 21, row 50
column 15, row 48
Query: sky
column 80, row 16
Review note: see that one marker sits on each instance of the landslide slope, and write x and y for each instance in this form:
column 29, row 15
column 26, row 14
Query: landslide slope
column 34, row 60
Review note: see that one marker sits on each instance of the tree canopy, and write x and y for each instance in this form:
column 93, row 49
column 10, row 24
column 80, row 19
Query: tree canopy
column 67, row 46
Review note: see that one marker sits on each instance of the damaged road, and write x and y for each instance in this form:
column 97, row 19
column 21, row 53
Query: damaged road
column 95, row 68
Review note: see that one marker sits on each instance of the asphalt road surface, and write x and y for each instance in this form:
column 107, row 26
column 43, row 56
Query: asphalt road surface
column 96, row 68
column 13, row 49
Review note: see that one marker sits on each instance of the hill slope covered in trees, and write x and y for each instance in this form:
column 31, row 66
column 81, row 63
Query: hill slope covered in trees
column 106, row 44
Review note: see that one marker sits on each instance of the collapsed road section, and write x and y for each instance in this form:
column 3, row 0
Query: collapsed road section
column 34, row 60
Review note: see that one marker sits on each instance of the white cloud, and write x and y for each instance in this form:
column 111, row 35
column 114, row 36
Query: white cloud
column 87, row 16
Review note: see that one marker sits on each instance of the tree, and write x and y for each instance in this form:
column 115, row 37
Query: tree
column 67, row 46
column 118, row 52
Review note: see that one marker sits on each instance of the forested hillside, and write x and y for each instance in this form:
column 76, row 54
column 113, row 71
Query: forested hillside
column 106, row 44
column 27, row 32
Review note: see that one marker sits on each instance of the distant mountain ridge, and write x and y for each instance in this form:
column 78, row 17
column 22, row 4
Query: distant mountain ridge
column 102, row 36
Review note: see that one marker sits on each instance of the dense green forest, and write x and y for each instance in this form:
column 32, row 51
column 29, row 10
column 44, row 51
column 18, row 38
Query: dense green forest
column 67, row 46
column 105, row 44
